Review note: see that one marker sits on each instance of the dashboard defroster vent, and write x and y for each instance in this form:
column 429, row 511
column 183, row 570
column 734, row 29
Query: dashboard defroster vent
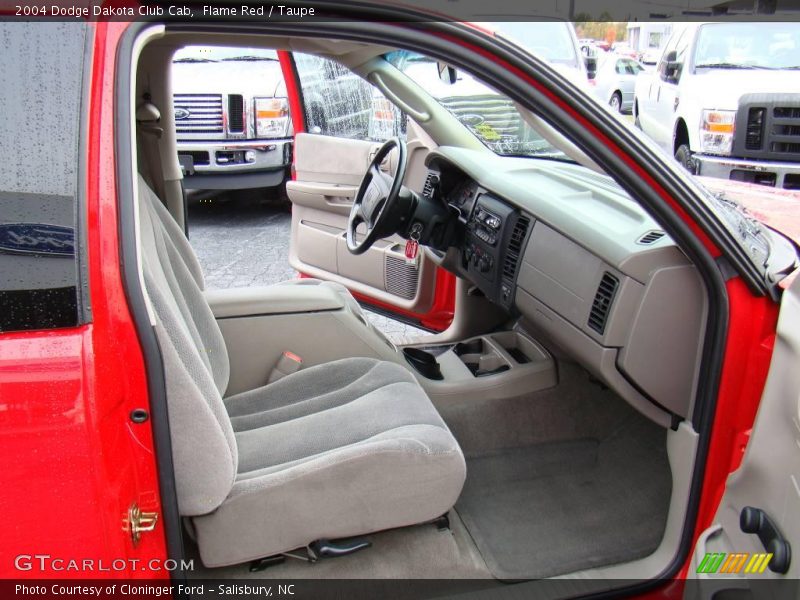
column 515, row 246
column 651, row 237
column 601, row 305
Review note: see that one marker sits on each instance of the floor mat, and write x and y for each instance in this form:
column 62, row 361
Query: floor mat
column 560, row 507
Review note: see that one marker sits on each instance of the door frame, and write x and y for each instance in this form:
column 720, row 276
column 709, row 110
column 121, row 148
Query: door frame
column 743, row 308
column 442, row 310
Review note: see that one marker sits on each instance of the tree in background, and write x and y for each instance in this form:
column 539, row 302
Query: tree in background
column 603, row 28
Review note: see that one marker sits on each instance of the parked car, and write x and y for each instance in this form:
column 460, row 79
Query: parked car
column 554, row 41
column 231, row 117
column 241, row 138
column 492, row 116
column 623, row 49
column 611, row 399
column 615, row 81
column 649, row 58
column 725, row 101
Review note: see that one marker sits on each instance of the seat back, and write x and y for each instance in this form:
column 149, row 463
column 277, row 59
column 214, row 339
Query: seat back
column 195, row 364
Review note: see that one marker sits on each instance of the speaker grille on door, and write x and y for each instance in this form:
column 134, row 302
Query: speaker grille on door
column 402, row 278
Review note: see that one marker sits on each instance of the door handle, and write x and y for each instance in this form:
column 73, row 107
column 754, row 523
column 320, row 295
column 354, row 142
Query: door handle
column 755, row 520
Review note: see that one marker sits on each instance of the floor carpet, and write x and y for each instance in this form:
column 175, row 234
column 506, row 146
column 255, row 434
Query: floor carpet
column 558, row 507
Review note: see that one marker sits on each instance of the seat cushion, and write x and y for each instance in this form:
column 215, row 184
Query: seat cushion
column 336, row 450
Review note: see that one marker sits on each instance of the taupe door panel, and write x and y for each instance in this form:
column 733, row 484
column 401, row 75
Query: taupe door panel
column 336, row 198
column 328, row 171
column 325, row 159
column 319, row 249
column 768, row 478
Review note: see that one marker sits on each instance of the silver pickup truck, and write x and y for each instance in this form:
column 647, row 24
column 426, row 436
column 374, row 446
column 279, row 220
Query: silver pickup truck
column 231, row 118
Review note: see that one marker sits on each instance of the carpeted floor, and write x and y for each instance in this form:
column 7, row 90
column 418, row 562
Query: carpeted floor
column 560, row 480
column 558, row 507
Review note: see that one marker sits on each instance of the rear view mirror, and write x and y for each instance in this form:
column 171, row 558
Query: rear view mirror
column 447, row 73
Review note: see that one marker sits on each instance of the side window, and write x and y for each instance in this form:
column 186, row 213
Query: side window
column 39, row 283
column 632, row 67
column 621, row 67
column 339, row 103
column 682, row 47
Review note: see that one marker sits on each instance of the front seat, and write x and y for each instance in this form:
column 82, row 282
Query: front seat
column 340, row 449
column 184, row 250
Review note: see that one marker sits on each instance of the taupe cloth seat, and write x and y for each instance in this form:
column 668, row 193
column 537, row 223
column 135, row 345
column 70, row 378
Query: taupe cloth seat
column 189, row 259
column 340, row 449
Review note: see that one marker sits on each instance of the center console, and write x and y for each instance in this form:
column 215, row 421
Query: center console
column 497, row 365
column 494, row 239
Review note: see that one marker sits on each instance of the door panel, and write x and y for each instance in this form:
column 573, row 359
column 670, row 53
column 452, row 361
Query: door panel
column 768, row 479
column 328, row 172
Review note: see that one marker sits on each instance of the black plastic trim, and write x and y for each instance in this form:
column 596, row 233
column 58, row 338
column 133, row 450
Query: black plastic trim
column 156, row 383
column 82, row 217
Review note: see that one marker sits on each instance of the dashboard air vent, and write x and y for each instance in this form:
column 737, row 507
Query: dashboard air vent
column 651, row 237
column 427, row 189
column 515, row 246
column 602, row 302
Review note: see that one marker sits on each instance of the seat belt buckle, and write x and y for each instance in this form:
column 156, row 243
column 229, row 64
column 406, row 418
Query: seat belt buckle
column 288, row 363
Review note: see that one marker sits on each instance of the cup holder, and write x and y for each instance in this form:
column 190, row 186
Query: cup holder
column 475, row 346
column 480, row 358
column 424, row 362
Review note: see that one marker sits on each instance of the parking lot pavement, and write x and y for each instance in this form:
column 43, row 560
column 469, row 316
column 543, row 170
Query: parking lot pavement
column 247, row 244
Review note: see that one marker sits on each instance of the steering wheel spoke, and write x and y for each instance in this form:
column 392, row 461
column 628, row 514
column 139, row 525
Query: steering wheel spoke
column 376, row 195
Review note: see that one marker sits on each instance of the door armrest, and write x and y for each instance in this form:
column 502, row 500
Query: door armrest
column 272, row 300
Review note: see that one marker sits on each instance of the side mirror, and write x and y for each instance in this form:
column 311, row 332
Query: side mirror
column 672, row 68
column 447, row 73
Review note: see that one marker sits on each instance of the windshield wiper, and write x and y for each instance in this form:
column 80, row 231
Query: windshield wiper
column 727, row 65
column 193, row 60
column 249, row 57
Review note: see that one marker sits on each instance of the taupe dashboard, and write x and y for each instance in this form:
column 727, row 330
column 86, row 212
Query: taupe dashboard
column 585, row 266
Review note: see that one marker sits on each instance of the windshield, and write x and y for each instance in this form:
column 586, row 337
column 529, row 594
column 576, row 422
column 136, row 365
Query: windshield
column 551, row 41
column 490, row 116
column 191, row 54
column 748, row 45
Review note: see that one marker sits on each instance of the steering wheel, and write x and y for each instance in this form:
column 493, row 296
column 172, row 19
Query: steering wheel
column 376, row 197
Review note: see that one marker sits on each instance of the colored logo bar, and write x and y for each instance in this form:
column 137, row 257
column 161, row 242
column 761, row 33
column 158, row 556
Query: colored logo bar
column 734, row 562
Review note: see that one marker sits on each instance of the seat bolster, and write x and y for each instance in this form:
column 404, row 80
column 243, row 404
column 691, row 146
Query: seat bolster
column 398, row 478
column 203, row 444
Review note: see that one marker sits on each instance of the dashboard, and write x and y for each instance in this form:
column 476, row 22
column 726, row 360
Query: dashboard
column 569, row 253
